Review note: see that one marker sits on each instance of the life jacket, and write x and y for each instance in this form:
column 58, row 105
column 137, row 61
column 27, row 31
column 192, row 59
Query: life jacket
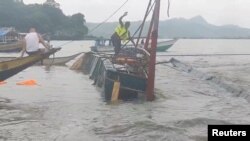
column 122, row 32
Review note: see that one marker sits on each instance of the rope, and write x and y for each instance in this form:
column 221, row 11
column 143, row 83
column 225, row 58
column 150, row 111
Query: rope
column 107, row 18
column 171, row 67
column 163, row 62
column 143, row 23
column 140, row 25
column 203, row 55
column 168, row 7
column 98, row 24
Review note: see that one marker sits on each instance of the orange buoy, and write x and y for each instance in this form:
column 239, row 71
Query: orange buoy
column 27, row 83
column 2, row 82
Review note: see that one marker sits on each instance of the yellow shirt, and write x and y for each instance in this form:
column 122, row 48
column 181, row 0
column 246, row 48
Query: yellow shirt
column 122, row 32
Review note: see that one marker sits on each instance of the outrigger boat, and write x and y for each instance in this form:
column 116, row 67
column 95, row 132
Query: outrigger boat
column 129, row 73
column 161, row 46
column 12, row 67
column 48, row 61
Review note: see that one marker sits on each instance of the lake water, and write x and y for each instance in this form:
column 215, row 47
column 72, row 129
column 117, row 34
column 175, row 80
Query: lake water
column 65, row 106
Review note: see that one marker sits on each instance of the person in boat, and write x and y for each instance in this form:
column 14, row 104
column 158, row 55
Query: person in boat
column 31, row 43
column 121, row 33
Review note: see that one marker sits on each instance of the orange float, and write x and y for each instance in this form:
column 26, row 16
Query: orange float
column 27, row 83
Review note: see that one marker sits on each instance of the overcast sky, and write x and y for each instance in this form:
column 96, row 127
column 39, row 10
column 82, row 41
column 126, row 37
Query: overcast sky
column 218, row 12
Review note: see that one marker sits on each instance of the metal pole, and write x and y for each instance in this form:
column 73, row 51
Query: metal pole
column 152, row 61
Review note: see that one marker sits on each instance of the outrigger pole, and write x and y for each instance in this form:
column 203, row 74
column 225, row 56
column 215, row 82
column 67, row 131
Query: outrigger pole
column 154, row 36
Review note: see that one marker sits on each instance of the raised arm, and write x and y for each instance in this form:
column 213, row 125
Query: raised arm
column 120, row 19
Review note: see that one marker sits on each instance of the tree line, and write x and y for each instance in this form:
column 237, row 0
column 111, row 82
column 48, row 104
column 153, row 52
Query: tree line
column 46, row 19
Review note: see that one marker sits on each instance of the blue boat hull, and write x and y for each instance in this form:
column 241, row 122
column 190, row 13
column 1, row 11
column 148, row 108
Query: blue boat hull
column 104, row 74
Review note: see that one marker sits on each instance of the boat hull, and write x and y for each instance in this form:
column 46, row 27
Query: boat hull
column 165, row 45
column 11, row 47
column 12, row 67
column 104, row 74
column 163, row 48
column 130, row 85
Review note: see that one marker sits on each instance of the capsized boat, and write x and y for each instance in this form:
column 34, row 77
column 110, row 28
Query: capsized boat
column 130, row 72
column 48, row 61
column 129, row 68
column 12, row 67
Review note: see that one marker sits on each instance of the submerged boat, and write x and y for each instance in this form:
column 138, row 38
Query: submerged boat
column 128, row 68
column 12, row 67
column 161, row 46
column 48, row 61
column 129, row 73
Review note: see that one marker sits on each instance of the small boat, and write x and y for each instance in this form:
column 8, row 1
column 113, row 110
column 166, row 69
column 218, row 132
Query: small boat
column 12, row 67
column 11, row 46
column 129, row 68
column 161, row 46
column 10, row 40
column 165, row 45
column 48, row 61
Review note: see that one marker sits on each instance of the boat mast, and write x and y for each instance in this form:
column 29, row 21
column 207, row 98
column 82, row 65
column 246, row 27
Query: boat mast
column 152, row 61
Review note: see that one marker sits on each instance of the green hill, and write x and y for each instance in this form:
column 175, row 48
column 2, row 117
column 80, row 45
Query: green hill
column 196, row 27
column 46, row 18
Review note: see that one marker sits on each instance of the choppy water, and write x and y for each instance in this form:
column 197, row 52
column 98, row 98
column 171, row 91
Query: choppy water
column 66, row 107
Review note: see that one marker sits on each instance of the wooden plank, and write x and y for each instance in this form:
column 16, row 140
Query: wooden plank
column 115, row 92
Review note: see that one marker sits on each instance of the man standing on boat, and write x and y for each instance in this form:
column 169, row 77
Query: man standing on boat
column 31, row 43
column 121, row 33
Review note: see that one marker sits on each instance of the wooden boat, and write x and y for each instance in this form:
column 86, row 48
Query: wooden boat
column 165, row 45
column 48, row 61
column 12, row 67
column 11, row 46
column 161, row 46
column 130, row 72
column 10, row 40
column 129, row 68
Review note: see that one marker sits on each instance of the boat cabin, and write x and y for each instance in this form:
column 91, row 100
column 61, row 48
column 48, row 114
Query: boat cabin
column 8, row 34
